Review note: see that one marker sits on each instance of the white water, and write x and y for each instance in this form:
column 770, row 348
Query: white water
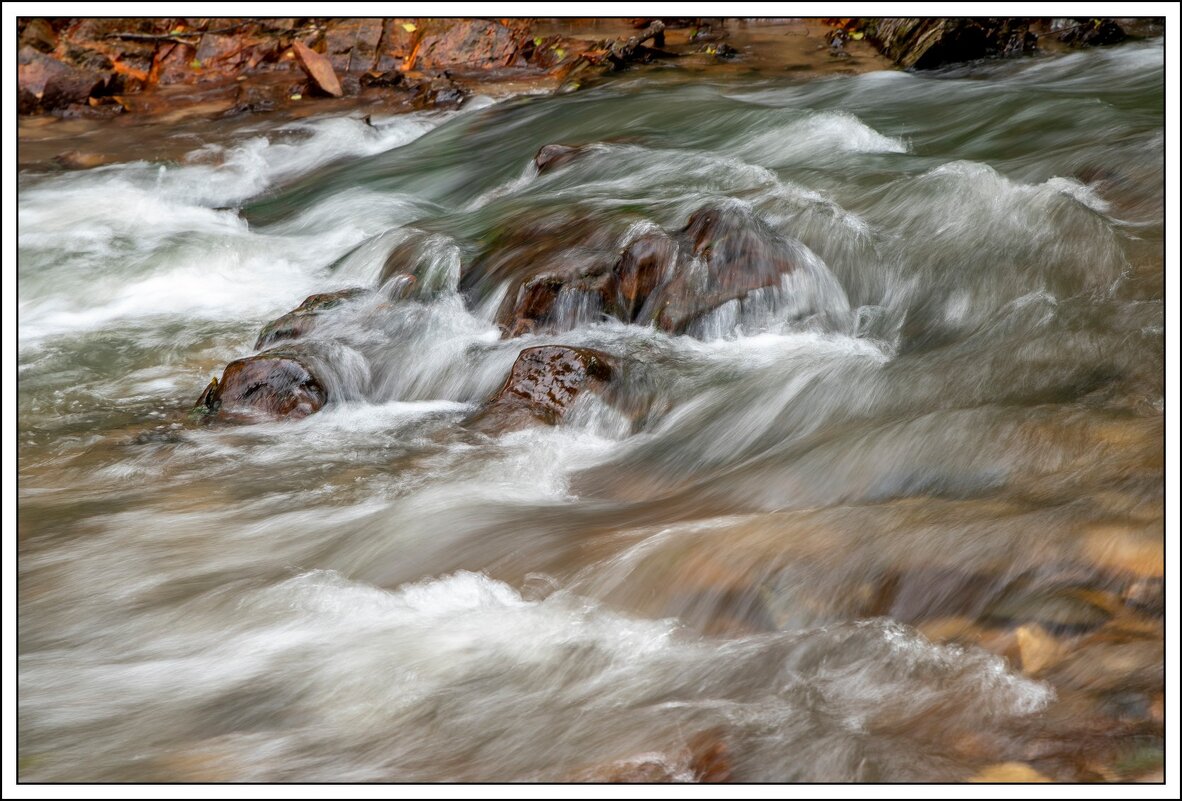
column 375, row 594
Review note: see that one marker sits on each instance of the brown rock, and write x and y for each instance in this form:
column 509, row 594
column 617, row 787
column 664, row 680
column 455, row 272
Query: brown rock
column 471, row 43
column 1037, row 650
column 722, row 254
column 271, row 385
column 553, row 250
column 740, row 254
column 542, row 386
column 319, row 69
column 301, row 320
column 644, row 265
column 44, row 83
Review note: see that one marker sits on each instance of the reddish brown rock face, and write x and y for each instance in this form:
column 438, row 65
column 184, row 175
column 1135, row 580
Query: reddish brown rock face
column 468, row 43
column 271, row 385
column 542, row 386
column 300, row 321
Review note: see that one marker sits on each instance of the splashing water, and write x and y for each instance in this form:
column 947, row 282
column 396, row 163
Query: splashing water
column 948, row 418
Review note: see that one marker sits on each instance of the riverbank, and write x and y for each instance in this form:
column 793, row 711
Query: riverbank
column 92, row 90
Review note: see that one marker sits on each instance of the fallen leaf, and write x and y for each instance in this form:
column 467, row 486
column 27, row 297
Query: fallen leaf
column 409, row 27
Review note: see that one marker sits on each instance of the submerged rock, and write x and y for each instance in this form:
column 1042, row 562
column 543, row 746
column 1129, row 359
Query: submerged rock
column 551, row 157
column 543, row 385
column 706, row 759
column 275, row 384
column 301, row 320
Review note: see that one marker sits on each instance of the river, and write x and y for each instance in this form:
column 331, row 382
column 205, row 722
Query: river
column 901, row 521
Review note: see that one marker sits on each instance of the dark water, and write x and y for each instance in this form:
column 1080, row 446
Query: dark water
column 899, row 520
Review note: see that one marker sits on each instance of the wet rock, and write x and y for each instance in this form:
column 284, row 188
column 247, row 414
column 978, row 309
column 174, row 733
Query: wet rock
column 928, row 42
column 318, row 68
column 557, row 257
column 551, row 157
column 80, row 160
column 46, row 84
column 275, row 384
column 645, row 264
column 543, row 385
column 670, row 281
column 710, row 758
column 300, row 321
column 440, row 92
column 1037, row 649
column 740, row 254
column 1093, row 33
column 633, row 49
column 421, row 265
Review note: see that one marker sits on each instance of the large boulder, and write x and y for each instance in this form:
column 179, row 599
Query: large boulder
column 46, row 84
column 272, row 385
column 542, row 387
column 556, row 266
column 723, row 253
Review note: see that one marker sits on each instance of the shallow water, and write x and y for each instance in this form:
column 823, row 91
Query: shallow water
column 848, row 505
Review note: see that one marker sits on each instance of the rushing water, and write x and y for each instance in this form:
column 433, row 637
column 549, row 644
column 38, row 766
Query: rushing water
column 828, row 544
